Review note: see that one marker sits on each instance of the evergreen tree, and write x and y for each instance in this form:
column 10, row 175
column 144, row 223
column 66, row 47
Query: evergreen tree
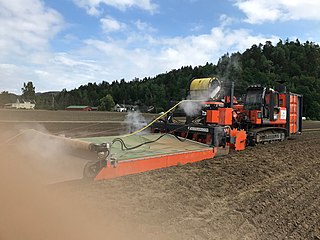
column 28, row 92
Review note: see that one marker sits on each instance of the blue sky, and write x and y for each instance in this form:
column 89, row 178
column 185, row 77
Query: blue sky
column 60, row 44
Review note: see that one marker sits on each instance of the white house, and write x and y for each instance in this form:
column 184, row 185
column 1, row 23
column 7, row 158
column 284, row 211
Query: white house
column 120, row 108
column 21, row 105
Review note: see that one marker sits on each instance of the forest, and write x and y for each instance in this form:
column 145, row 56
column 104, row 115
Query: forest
column 298, row 64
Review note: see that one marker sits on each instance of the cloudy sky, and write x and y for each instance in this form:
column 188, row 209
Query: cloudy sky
column 60, row 44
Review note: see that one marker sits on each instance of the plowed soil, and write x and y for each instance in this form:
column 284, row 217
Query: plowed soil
column 269, row 191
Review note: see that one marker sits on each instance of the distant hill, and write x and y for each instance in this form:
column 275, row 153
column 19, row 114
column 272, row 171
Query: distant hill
column 6, row 97
column 55, row 93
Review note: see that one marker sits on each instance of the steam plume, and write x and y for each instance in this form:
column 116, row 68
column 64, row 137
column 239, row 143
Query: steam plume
column 135, row 121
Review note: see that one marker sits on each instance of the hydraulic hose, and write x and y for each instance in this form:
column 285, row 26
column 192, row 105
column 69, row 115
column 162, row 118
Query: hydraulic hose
column 145, row 127
column 122, row 143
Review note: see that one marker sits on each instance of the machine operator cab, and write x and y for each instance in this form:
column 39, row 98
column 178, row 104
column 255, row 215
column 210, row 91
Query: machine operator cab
column 264, row 101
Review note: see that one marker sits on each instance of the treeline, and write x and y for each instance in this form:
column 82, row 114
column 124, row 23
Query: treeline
column 296, row 63
column 145, row 92
column 6, row 97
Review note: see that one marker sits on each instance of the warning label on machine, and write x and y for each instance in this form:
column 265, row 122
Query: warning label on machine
column 283, row 114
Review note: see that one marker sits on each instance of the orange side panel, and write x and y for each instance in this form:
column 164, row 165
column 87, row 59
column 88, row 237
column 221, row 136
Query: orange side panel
column 238, row 107
column 225, row 116
column 241, row 140
column 241, row 137
column 294, row 110
column 293, row 113
column 212, row 116
column 254, row 117
column 283, row 101
column 134, row 166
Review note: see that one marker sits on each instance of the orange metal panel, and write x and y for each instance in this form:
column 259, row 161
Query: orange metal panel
column 293, row 113
column 282, row 100
column 241, row 136
column 238, row 107
column 212, row 116
column 134, row 166
column 225, row 116
column 254, row 117
column 241, row 140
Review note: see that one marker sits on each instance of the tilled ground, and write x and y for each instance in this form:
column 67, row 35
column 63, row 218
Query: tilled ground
column 269, row 191
column 75, row 124
column 265, row 192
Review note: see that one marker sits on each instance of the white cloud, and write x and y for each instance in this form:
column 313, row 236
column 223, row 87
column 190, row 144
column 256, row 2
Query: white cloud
column 259, row 11
column 60, row 70
column 196, row 27
column 7, row 83
column 144, row 27
column 93, row 7
column 162, row 54
column 204, row 48
column 142, row 56
column 41, row 73
column 110, row 24
column 226, row 20
column 26, row 26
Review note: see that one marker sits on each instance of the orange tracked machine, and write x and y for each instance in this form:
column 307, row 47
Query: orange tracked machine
column 265, row 115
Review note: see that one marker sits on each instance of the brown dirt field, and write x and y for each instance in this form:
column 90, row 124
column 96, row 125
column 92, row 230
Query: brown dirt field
column 266, row 192
column 67, row 123
column 269, row 191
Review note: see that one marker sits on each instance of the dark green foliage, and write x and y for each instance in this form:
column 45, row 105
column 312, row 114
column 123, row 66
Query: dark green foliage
column 46, row 100
column 296, row 63
column 145, row 92
column 6, row 97
column 28, row 92
column 106, row 103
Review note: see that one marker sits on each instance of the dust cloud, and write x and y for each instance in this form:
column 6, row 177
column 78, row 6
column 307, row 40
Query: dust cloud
column 49, row 158
column 194, row 103
column 31, row 209
column 228, row 71
column 135, row 121
column 191, row 108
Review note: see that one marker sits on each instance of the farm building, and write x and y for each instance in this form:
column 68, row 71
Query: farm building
column 78, row 108
column 20, row 105
column 120, row 108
